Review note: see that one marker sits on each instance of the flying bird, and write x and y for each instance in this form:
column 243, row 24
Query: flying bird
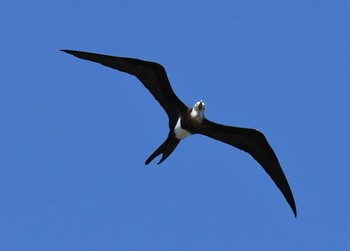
column 185, row 121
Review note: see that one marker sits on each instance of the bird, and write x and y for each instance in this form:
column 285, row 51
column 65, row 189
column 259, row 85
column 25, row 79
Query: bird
column 185, row 121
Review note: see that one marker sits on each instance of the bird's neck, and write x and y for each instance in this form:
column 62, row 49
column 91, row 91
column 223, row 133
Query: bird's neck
column 197, row 115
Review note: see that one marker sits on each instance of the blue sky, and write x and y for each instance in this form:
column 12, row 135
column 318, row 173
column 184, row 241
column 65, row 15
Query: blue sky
column 75, row 135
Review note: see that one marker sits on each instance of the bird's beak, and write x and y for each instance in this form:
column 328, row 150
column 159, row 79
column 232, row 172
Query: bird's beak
column 200, row 106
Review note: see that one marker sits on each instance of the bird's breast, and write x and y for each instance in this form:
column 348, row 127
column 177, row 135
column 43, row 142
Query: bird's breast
column 180, row 133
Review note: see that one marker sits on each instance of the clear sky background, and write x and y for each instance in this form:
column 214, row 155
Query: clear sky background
column 74, row 135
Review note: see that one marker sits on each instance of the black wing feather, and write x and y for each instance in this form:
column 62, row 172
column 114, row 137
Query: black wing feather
column 152, row 75
column 253, row 142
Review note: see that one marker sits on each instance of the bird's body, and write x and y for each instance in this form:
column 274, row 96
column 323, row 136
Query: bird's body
column 179, row 132
column 189, row 122
column 185, row 121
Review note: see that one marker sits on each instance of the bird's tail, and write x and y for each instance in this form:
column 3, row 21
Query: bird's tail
column 166, row 149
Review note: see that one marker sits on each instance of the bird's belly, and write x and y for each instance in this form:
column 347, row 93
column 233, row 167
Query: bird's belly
column 180, row 133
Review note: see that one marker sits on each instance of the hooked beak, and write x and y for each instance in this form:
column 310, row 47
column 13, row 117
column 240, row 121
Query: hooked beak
column 200, row 106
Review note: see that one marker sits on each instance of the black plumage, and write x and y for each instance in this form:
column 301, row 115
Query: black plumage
column 153, row 76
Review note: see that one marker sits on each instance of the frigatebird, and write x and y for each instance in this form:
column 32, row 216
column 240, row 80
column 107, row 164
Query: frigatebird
column 185, row 121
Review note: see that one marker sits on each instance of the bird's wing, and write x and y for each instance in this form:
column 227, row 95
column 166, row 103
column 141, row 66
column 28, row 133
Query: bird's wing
column 253, row 142
column 152, row 75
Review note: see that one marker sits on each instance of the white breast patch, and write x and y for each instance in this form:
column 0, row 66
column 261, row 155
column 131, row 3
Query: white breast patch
column 180, row 133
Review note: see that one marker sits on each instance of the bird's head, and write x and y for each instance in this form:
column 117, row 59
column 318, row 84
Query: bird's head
column 199, row 106
column 198, row 110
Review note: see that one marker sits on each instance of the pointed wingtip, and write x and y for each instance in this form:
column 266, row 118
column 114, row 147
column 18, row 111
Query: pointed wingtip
column 295, row 211
column 292, row 205
column 66, row 51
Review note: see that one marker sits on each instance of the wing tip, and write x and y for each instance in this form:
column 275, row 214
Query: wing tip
column 294, row 209
column 291, row 202
column 68, row 51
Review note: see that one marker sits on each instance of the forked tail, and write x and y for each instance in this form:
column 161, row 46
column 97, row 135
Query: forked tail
column 166, row 149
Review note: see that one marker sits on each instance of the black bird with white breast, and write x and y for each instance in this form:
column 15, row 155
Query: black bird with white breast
column 185, row 121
